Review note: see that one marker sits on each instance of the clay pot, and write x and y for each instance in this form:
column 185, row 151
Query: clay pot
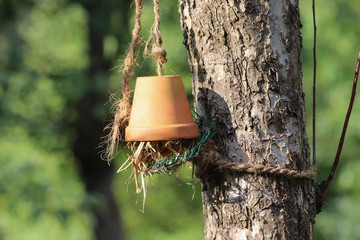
column 160, row 111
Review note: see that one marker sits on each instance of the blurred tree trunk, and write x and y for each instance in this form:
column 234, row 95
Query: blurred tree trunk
column 244, row 57
column 98, row 175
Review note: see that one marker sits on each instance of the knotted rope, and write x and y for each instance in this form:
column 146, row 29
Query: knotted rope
column 157, row 51
column 122, row 107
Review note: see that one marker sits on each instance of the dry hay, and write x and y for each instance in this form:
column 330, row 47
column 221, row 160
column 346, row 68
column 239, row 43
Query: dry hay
column 152, row 157
column 148, row 158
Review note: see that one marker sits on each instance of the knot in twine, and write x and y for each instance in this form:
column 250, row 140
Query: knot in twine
column 159, row 56
column 158, row 53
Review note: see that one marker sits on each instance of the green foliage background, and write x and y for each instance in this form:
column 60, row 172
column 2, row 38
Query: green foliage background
column 43, row 58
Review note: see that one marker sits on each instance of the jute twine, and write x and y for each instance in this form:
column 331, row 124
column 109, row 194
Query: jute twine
column 122, row 107
column 157, row 51
column 210, row 157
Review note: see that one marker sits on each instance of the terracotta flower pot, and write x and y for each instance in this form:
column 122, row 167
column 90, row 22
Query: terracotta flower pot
column 160, row 111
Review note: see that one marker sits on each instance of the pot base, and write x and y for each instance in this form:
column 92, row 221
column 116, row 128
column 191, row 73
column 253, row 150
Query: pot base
column 162, row 133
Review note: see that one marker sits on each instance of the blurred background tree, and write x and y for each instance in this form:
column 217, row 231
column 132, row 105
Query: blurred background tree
column 59, row 58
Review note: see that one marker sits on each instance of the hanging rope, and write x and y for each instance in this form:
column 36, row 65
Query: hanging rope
column 122, row 107
column 157, row 51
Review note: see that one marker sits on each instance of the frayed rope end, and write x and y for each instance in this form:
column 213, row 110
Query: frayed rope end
column 116, row 128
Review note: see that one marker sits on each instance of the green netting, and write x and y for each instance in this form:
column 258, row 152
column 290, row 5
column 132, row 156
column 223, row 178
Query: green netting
column 169, row 165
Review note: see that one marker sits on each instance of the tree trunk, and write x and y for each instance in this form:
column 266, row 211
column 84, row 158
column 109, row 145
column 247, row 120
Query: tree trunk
column 96, row 174
column 245, row 63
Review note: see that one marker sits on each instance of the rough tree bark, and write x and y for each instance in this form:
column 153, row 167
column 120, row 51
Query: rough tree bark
column 245, row 63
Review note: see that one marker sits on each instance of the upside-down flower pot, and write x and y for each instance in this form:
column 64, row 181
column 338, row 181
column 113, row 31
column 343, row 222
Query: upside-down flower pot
column 160, row 111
